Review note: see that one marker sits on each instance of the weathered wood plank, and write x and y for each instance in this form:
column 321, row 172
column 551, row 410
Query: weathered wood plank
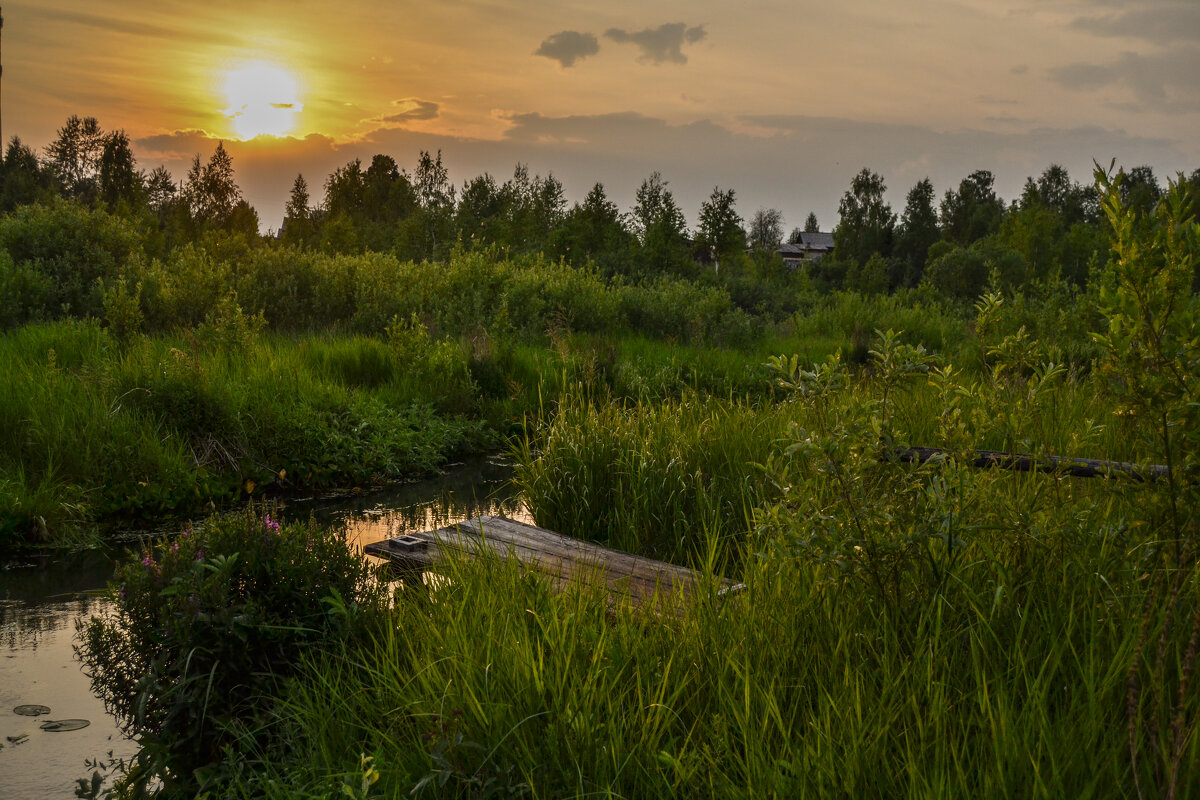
column 1022, row 462
column 561, row 557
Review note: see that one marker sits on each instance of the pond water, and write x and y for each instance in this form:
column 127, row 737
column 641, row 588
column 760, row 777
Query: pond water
column 41, row 598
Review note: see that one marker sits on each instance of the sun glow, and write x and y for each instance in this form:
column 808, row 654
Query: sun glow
column 262, row 99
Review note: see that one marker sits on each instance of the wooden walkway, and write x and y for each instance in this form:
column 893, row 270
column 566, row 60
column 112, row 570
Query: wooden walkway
column 561, row 557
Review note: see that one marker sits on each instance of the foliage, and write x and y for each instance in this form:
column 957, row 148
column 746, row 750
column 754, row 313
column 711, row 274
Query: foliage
column 925, row 319
column 206, row 627
column 60, row 253
column 918, row 232
column 866, row 223
column 214, row 198
column 95, row 427
column 962, row 273
column 119, row 184
column 766, row 230
column 720, row 235
column 1151, row 349
column 595, row 231
column 973, row 211
column 659, row 226
column 22, row 178
column 298, row 216
column 868, row 278
column 75, row 156
column 439, row 368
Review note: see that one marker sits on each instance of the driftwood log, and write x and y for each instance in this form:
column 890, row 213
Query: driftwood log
column 1021, row 462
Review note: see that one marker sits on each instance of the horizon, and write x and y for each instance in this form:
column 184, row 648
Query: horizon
column 700, row 93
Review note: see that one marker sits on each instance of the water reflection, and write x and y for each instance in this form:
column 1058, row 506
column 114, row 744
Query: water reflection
column 40, row 599
column 39, row 602
column 466, row 491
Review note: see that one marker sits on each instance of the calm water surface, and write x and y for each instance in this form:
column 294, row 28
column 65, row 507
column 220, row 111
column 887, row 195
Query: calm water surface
column 41, row 598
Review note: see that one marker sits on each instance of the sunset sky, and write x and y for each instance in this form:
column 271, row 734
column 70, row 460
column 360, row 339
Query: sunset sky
column 782, row 101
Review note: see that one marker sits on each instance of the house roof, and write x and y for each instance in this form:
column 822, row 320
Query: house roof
column 809, row 243
column 817, row 241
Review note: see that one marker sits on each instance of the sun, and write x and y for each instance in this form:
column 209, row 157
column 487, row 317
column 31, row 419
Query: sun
column 262, row 99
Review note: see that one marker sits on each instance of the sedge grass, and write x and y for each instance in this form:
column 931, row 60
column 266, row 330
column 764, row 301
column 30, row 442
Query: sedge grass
column 648, row 478
column 93, row 427
column 799, row 686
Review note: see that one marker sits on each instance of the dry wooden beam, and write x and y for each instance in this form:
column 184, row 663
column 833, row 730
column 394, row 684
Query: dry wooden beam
column 1021, row 462
column 562, row 558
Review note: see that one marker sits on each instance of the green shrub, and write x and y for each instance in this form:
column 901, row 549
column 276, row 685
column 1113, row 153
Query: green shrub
column 182, row 291
column 24, row 292
column 922, row 316
column 674, row 308
column 206, row 627
column 72, row 248
column 429, row 369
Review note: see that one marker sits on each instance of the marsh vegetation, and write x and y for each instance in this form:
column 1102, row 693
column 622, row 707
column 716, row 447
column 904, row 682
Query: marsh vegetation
column 906, row 629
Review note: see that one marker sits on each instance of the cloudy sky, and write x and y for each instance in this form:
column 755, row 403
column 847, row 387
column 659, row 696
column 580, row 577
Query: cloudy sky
column 782, row 101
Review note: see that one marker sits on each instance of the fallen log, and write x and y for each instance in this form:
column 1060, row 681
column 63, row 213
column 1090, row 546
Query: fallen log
column 1023, row 462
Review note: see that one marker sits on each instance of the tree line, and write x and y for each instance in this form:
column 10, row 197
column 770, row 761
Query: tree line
column 973, row 239
column 969, row 240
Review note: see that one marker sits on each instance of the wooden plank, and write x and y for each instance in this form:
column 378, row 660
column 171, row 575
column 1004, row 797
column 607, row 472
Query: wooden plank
column 1022, row 462
column 561, row 557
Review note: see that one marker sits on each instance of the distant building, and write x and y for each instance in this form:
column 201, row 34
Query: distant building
column 811, row 247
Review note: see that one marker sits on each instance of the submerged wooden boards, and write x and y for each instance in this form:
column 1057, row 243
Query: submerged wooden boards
column 561, row 557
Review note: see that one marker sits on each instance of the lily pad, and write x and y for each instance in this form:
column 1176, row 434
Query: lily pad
column 18, row 739
column 62, row 725
column 31, row 710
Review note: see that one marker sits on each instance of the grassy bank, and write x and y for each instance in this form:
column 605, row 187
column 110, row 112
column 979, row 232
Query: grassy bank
column 95, row 428
column 98, row 427
column 802, row 685
column 904, row 631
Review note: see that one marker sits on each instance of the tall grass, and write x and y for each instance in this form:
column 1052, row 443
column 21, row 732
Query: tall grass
column 845, row 322
column 903, row 631
column 654, row 478
column 93, row 427
column 98, row 425
column 799, row 686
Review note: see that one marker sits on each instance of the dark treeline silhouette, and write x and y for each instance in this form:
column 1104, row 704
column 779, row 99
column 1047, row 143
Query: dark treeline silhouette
column 959, row 246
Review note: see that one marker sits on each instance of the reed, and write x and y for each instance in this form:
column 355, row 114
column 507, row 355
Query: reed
column 494, row 684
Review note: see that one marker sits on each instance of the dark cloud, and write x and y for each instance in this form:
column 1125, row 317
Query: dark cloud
column 662, row 44
column 411, row 109
column 567, row 47
column 1084, row 76
column 174, row 145
column 1160, row 23
column 613, row 132
column 1164, row 81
